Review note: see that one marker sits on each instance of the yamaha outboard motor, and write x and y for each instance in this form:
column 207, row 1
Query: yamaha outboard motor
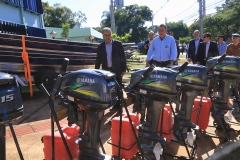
column 158, row 87
column 10, row 108
column 93, row 91
column 190, row 83
column 223, row 75
column 10, row 98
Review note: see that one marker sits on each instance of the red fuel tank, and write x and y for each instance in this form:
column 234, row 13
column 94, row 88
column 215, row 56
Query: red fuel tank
column 204, row 112
column 167, row 123
column 128, row 140
column 71, row 134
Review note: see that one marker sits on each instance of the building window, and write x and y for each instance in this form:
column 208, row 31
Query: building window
column 14, row 2
column 33, row 6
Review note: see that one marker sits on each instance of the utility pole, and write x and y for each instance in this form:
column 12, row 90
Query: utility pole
column 113, row 26
column 201, row 16
column 152, row 22
column 165, row 20
column 204, row 8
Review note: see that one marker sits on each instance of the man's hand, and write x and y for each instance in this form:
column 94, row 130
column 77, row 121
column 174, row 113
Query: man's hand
column 197, row 62
column 189, row 60
column 171, row 64
column 147, row 64
column 123, row 73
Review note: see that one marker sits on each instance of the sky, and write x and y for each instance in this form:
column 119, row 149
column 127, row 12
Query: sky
column 172, row 10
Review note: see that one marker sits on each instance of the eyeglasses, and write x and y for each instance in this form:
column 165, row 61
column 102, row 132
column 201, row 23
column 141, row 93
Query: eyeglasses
column 204, row 37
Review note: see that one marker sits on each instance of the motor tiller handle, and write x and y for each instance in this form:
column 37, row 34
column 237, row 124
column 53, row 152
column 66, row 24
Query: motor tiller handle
column 217, row 62
column 182, row 67
column 64, row 66
column 139, row 78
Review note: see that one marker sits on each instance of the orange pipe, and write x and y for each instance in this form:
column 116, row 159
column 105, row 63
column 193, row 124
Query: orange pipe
column 27, row 71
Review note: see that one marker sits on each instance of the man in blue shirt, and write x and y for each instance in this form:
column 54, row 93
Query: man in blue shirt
column 163, row 50
column 222, row 46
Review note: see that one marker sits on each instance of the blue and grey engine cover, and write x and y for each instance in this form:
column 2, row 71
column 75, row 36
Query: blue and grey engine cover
column 10, row 98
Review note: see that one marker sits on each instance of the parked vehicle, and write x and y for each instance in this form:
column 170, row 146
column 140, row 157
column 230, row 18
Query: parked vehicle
column 45, row 57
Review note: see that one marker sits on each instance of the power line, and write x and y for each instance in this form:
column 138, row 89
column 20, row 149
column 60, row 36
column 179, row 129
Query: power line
column 183, row 11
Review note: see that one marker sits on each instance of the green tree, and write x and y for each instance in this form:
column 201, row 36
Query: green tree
column 185, row 40
column 179, row 29
column 99, row 29
column 130, row 17
column 56, row 15
column 154, row 29
column 66, row 29
column 123, row 39
column 225, row 21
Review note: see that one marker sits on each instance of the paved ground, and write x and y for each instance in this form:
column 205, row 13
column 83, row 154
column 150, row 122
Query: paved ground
column 35, row 123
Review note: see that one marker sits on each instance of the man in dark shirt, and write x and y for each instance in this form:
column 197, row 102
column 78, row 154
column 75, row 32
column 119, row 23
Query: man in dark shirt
column 177, row 45
column 148, row 42
column 193, row 47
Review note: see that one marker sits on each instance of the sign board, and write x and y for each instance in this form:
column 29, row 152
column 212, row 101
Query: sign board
column 119, row 3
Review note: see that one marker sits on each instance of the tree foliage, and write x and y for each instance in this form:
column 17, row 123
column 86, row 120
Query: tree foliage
column 179, row 29
column 66, row 29
column 56, row 15
column 123, row 39
column 225, row 22
column 154, row 28
column 185, row 40
column 132, row 16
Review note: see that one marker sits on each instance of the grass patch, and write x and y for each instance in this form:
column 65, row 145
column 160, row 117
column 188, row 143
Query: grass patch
column 26, row 92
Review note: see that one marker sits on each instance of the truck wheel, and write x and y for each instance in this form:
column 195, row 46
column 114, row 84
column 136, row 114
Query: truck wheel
column 45, row 76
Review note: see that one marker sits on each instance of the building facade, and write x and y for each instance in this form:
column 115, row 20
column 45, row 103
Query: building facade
column 77, row 34
column 23, row 17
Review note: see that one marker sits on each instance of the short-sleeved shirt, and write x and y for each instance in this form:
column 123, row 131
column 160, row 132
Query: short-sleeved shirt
column 233, row 50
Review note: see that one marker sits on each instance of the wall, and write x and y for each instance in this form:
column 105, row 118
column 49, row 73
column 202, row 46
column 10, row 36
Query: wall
column 31, row 19
column 10, row 13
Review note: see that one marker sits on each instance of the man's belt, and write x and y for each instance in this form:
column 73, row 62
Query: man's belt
column 161, row 64
column 109, row 69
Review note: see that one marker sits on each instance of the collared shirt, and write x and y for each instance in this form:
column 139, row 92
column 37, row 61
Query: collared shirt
column 196, row 45
column 109, row 53
column 222, row 48
column 207, row 48
column 162, row 50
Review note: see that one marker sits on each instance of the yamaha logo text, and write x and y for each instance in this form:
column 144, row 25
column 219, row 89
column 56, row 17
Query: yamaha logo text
column 192, row 70
column 158, row 76
column 85, row 80
column 229, row 61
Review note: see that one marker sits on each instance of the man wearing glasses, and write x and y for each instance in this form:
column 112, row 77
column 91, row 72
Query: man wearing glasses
column 233, row 49
column 193, row 47
column 163, row 50
column 111, row 55
column 206, row 49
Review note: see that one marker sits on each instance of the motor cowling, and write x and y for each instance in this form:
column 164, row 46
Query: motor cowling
column 91, row 89
column 159, row 84
column 10, row 98
column 194, row 77
column 229, row 68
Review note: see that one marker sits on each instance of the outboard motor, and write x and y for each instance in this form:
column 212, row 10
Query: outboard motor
column 190, row 82
column 11, row 108
column 10, row 98
column 158, row 87
column 93, row 91
column 223, row 75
